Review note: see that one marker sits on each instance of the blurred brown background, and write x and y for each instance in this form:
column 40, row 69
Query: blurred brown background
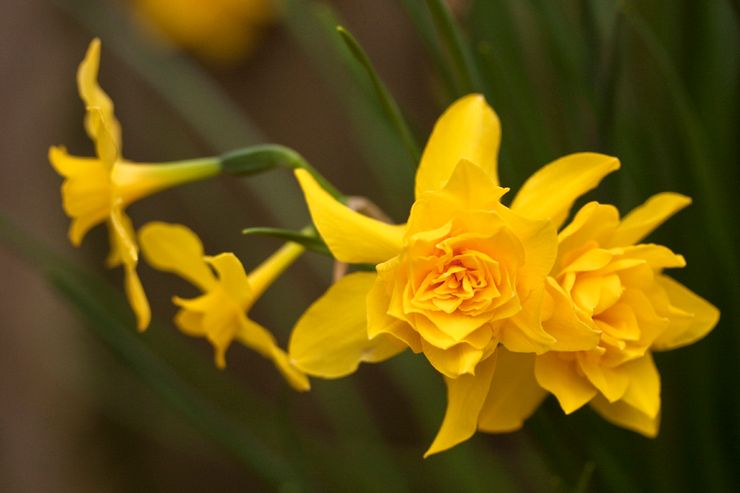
column 71, row 418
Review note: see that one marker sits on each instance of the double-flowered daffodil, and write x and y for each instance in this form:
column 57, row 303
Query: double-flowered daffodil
column 219, row 314
column 618, row 287
column 464, row 276
column 98, row 189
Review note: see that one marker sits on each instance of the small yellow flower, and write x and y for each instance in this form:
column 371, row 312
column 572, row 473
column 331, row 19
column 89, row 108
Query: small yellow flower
column 222, row 31
column 618, row 287
column 97, row 190
column 464, row 275
column 219, row 314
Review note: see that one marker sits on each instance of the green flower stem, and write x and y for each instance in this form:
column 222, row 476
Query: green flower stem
column 256, row 159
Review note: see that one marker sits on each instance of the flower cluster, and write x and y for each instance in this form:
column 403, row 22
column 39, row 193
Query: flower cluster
column 98, row 189
column 507, row 302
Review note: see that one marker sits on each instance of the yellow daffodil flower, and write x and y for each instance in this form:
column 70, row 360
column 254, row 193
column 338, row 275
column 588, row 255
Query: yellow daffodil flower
column 618, row 288
column 219, row 314
column 464, row 275
column 99, row 189
column 222, row 31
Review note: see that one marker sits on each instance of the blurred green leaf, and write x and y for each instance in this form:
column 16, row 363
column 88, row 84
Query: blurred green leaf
column 390, row 108
column 310, row 242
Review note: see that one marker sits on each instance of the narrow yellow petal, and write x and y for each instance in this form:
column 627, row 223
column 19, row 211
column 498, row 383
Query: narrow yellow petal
column 137, row 297
column 696, row 317
column 561, row 378
column 646, row 218
column 514, row 394
column 80, row 226
column 643, row 392
column 175, row 248
column 468, row 129
column 256, row 337
column 330, row 339
column 124, row 249
column 95, row 98
column 232, row 278
column 551, row 191
column 626, row 416
column 465, row 397
column 350, row 236
column 68, row 165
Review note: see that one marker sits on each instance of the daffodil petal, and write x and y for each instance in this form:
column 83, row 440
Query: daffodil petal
column 124, row 249
column 551, row 191
column 68, row 165
column 175, row 248
column 611, row 382
column 79, row 227
column 330, row 339
column 258, row 338
column 95, row 98
column 646, row 218
column 696, row 319
column 643, row 392
column 465, row 398
column 469, row 129
column 570, row 333
column 137, row 297
column 561, row 378
column 455, row 361
column 514, row 393
column 232, row 277
column 523, row 332
column 350, row 236
column 622, row 414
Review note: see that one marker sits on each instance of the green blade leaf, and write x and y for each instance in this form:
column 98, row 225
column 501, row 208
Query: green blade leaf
column 460, row 54
column 309, row 241
column 389, row 105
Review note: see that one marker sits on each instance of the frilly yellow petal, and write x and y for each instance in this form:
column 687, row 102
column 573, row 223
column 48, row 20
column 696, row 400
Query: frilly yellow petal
column 561, row 378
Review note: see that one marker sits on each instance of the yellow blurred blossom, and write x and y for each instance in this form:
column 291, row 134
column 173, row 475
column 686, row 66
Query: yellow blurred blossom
column 222, row 31
column 464, row 275
column 98, row 189
column 219, row 314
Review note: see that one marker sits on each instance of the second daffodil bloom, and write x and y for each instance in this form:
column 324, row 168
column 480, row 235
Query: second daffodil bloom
column 222, row 31
column 219, row 314
column 618, row 287
column 98, row 189
column 463, row 276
